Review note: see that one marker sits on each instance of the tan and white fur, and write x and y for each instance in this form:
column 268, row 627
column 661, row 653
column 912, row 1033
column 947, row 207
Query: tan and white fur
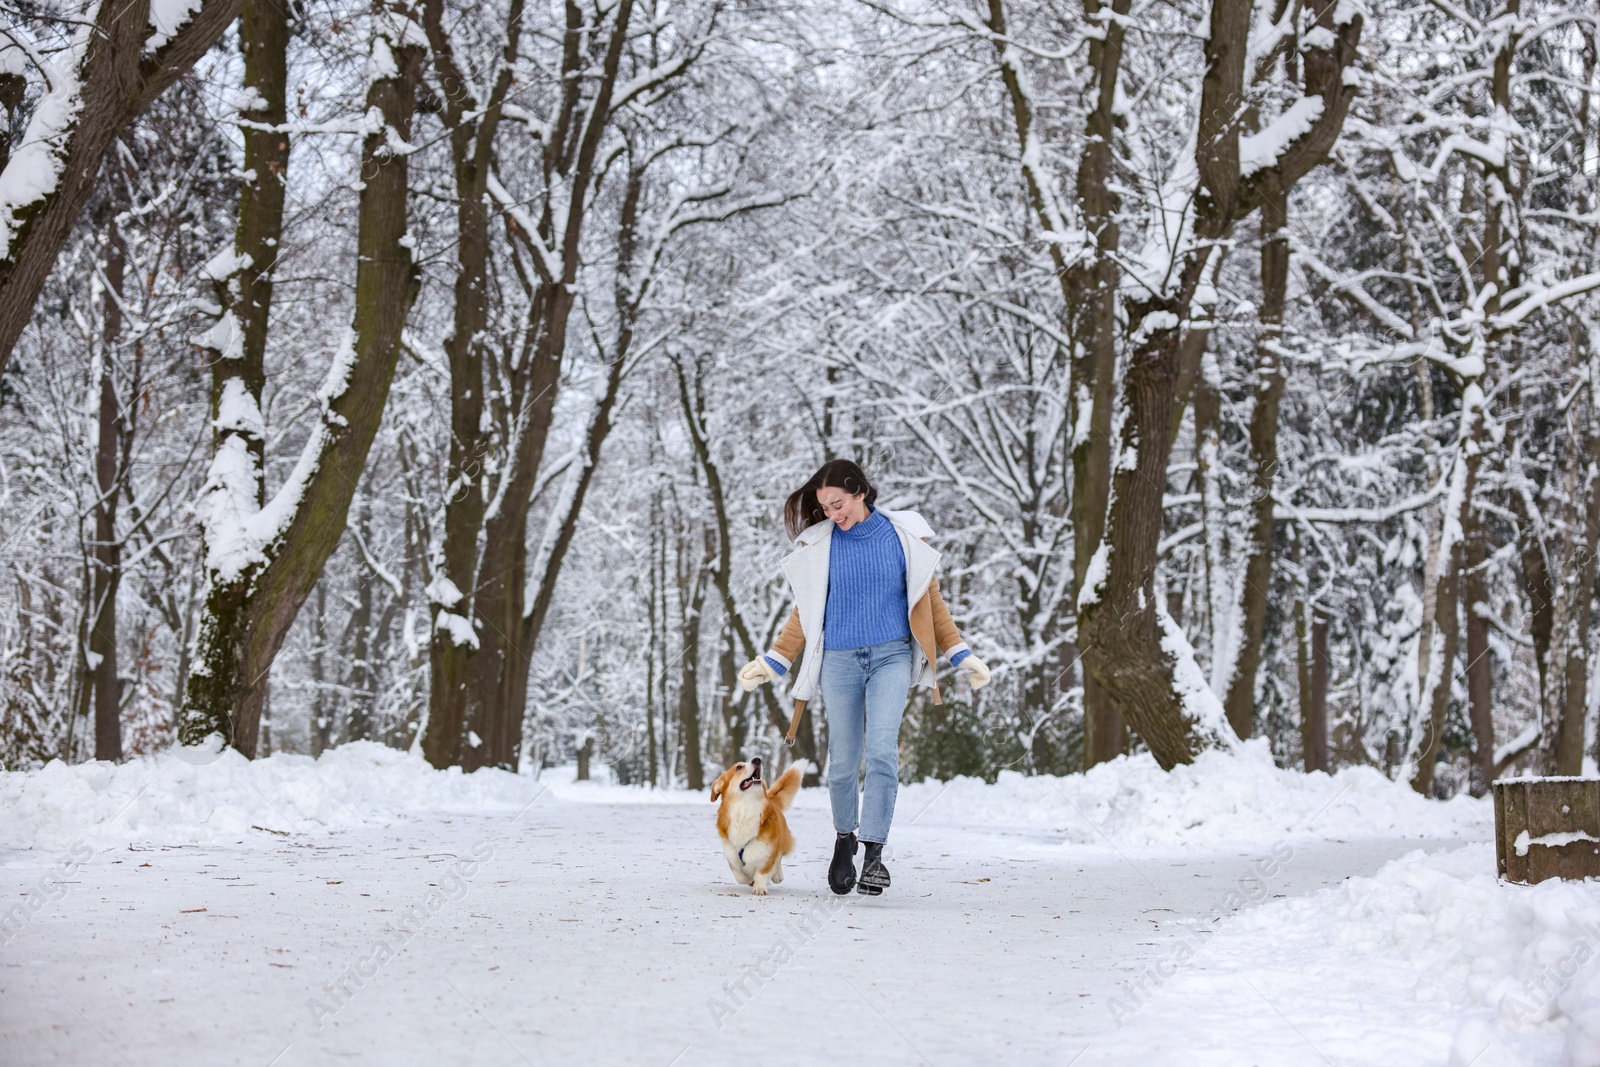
column 755, row 835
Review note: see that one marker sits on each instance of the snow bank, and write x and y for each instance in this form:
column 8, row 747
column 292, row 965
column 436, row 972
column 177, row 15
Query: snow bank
column 1222, row 797
column 169, row 800
column 1513, row 972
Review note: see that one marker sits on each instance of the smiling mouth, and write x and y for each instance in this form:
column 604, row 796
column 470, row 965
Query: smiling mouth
column 754, row 779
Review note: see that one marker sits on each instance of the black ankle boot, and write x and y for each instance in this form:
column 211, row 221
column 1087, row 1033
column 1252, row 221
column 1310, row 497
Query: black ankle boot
column 874, row 875
column 842, row 871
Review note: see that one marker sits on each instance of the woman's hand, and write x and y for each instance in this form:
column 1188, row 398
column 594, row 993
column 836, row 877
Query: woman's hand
column 977, row 671
column 759, row 671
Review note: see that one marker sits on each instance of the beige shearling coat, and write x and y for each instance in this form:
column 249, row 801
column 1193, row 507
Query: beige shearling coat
column 933, row 632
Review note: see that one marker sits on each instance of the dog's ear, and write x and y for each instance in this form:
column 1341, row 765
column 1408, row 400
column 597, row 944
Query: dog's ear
column 718, row 786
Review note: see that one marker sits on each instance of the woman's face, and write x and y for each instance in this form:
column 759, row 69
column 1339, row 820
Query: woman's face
column 845, row 509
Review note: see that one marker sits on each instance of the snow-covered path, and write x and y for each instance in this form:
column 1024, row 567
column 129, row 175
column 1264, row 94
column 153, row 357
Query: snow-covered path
column 588, row 929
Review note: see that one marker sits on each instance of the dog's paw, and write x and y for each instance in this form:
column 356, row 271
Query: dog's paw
column 759, row 890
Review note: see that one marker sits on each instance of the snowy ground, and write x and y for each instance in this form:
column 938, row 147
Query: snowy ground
column 367, row 910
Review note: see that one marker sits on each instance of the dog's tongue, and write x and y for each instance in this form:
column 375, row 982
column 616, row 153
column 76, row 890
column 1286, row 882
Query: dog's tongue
column 755, row 775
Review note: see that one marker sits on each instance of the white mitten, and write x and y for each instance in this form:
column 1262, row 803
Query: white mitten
column 758, row 671
column 977, row 672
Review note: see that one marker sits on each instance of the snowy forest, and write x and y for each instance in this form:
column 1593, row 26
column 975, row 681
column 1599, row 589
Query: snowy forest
column 433, row 373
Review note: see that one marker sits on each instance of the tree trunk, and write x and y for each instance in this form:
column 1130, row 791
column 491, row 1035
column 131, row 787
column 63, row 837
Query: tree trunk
column 1132, row 650
column 1479, row 666
column 1091, row 300
column 509, row 732
column 1269, row 190
column 689, row 668
column 1095, row 362
column 1441, row 670
column 1447, row 587
column 1271, row 376
column 321, row 713
column 505, row 677
column 362, row 684
column 1311, row 661
column 253, row 600
column 1300, row 613
column 1038, row 702
column 1316, row 736
column 473, row 128
column 1575, row 668
column 663, row 639
column 1220, row 600
column 496, row 672
column 112, row 79
column 693, row 404
column 1538, row 589
column 734, row 723
column 237, row 342
column 107, row 553
column 1501, row 271
column 657, row 606
column 1131, row 647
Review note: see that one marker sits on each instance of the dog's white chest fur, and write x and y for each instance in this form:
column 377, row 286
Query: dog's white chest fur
column 744, row 821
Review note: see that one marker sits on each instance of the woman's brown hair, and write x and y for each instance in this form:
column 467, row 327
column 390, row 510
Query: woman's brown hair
column 802, row 510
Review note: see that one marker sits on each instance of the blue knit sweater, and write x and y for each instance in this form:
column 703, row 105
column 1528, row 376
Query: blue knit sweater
column 866, row 588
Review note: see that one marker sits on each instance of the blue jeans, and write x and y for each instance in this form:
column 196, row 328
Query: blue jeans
column 864, row 694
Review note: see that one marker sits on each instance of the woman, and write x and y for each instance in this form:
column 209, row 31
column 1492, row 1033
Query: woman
column 866, row 597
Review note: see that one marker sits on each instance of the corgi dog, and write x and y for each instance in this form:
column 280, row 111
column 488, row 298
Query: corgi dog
column 755, row 835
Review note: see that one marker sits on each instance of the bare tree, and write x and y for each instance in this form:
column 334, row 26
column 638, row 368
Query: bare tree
column 262, row 562
column 111, row 68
